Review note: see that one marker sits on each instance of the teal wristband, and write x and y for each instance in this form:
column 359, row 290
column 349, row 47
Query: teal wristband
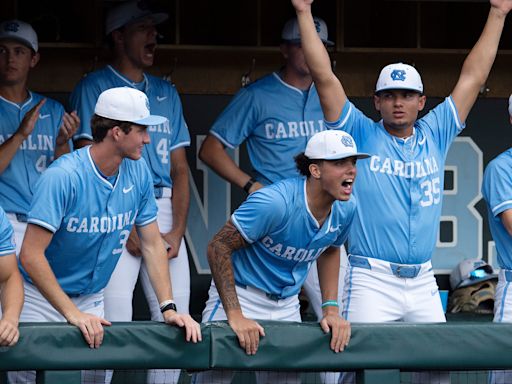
column 330, row 303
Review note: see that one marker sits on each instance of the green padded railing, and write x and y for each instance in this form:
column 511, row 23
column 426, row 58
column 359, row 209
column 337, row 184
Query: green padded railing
column 385, row 348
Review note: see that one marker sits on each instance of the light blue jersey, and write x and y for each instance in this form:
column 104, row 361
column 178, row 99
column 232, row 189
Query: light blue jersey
column 7, row 245
column 276, row 119
column 399, row 191
column 497, row 191
column 89, row 217
column 163, row 101
column 284, row 237
column 35, row 154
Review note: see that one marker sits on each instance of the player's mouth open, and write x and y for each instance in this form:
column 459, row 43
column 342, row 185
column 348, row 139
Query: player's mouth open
column 347, row 185
column 149, row 49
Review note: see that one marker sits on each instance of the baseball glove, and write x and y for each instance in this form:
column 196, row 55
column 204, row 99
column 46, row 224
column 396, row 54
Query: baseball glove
column 477, row 298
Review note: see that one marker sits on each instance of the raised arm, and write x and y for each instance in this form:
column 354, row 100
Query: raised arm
column 331, row 92
column 155, row 257
column 10, row 146
column 220, row 249
column 478, row 64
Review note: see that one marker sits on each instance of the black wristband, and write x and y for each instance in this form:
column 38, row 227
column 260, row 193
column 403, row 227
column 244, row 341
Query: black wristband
column 248, row 185
column 169, row 306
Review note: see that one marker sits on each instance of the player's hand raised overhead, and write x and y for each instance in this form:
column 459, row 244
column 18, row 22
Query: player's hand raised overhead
column 502, row 5
column 302, row 5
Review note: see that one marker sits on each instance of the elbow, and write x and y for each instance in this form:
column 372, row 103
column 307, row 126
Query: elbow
column 26, row 261
column 210, row 149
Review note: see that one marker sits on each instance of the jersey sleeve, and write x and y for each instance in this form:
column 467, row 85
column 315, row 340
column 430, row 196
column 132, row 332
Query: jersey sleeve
column 352, row 121
column 147, row 210
column 443, row 123
column 262, row 212
column 497, row 187
column 83, row 100
column 7, row 244
column 238, row 120
column 52, row 195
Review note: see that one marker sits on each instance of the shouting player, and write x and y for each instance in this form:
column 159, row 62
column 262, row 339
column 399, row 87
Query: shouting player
column 131, row 31
column 261, row 257
column 276, row 115
column 396, row 224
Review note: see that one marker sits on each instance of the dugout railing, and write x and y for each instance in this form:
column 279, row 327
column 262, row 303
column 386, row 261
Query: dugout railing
column 378, row 352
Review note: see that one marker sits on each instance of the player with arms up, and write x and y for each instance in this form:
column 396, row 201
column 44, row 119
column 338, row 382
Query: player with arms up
column 497, row 192
column 70, row 248
column 396, row 224
column 11, row 285
column 33, row 129
column 262, row 255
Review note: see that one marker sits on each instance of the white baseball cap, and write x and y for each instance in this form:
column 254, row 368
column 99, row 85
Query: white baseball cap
column 332, row 145
column 399, row 76
column 20, row 31
column 130, row 12
column 510, row 105
column 469, row 272
column 291, row 31
column 126, row 104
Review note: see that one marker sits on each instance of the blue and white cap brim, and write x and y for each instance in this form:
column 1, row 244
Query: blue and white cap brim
column 151, row 120
column 359, row 155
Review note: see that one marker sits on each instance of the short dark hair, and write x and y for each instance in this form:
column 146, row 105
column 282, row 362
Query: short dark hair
column 101, row 125
column 302, row 162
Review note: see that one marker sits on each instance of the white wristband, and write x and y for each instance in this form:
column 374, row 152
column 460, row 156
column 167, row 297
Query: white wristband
column 165, row 302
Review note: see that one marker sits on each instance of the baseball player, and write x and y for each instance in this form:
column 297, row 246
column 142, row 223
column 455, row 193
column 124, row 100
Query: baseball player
column 395, row 228
column 497, row 192
column 11, row 285
column 33, row 129
column 130, row 28
column 261, row 257
column 62, row 284
column 276, row 115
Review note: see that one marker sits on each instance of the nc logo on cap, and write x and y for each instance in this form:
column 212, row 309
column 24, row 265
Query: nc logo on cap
column 347, row 141
column 398, row 74
column 12, row 27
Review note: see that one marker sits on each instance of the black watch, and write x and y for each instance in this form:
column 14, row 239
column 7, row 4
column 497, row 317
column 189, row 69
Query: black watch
column 169, row 306
column 248, row 185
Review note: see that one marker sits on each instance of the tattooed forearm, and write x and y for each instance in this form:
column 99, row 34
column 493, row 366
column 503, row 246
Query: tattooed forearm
column 227, row 240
